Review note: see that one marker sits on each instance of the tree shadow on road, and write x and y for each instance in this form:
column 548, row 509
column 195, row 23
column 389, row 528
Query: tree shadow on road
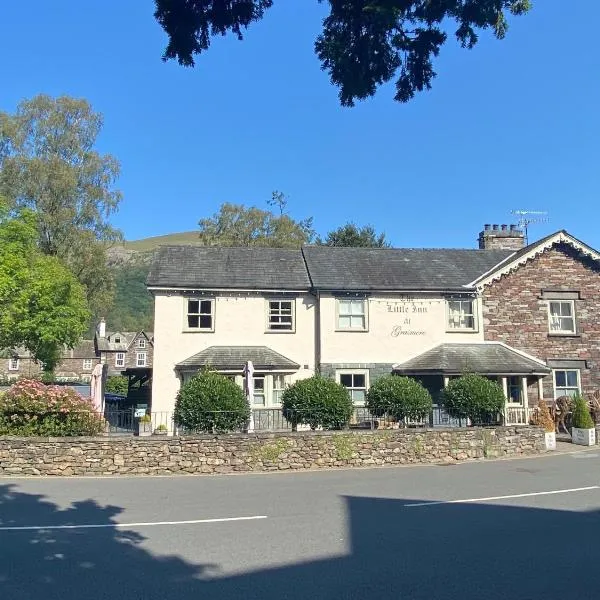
column 442, row 552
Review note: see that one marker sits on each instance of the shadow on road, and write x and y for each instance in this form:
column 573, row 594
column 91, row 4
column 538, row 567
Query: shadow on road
column 444, row 552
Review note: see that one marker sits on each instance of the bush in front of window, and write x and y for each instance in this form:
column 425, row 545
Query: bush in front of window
column 117, row 384
column 402, row 398
column 474, row 397
column 211, row 403
column 31, row 408
column 581, row 417
column 317, row 402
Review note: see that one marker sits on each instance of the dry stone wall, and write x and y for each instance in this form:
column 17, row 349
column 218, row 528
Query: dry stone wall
column 268, row 452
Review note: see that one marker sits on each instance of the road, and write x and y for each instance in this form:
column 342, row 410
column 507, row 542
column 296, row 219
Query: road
column 522, row 529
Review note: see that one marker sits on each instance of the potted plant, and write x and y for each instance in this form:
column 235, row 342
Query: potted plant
column 544, row 419
column 161, row 430
column 143, row 426
column 583, row 432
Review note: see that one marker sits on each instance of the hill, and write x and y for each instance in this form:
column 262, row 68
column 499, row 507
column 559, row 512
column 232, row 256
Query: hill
column 142, row 250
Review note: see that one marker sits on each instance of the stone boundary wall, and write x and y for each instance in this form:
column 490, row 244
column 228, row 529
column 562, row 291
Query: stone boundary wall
column 265, row 452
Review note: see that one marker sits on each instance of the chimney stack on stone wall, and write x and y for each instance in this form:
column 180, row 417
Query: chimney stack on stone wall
column 501, row 237
column 101, row 329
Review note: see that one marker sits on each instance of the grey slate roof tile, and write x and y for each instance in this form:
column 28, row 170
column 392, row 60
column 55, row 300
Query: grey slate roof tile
column 234, row 357
column 483, row 358
column 212, row 267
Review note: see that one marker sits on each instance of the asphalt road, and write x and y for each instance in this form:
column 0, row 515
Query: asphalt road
column 382, row 533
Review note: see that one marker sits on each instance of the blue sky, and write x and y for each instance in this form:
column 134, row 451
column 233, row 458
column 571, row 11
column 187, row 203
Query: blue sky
column 511, row 124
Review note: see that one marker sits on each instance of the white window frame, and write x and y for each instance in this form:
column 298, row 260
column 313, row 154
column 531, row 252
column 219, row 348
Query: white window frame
column 276, row 389
column 14, row 364
column 364, row 372
column 277, row 314
column 141, row 343
column 199, row 314
column 518, row 385
column 87, row 364
column 117, row 339
column 137, row 359
column 120, row 362
column 264, row 394
column 463, row 314
column 364, row 314
column 577, row 390
column 559, row 319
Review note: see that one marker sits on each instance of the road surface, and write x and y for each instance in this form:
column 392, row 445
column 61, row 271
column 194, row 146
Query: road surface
column 511, row 530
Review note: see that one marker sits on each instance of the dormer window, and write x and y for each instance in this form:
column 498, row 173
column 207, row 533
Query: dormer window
column 117, row 339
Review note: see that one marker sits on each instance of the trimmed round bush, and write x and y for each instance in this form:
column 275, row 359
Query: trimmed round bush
column 400, row 398
column 474, row 397
column 117, row 384
column 317, row 402
column 30, row 407
column 210, row 402
column 581, row 417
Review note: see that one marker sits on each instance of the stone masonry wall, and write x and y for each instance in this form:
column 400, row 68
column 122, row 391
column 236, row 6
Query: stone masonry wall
column 515, row 313
column 270, row 452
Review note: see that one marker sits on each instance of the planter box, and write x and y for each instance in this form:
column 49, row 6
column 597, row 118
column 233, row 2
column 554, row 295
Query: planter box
column 142, row 429
column 584, row 437
column 550, row 440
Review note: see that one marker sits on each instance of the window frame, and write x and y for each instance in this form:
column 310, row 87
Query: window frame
column 566, row 387
column 365, row 314
column 518, row 386
column 364, row 372
column 186, row 314
column 268, row 328
column 141, row 343
column 137, row 359
column 474, row 314
column 14, row 363
column 87, row 364
column 560, row 317
column 117, row 354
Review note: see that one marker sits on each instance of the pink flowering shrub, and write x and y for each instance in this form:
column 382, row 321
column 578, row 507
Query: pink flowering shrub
column 30, row 407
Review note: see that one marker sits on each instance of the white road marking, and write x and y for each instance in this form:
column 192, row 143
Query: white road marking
column 123, row 525
column 528, row 495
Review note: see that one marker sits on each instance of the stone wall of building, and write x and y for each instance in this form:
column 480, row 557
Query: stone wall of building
column 269, row 452
column 515, row 312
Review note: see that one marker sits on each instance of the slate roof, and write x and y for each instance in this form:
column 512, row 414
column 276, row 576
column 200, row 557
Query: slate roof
column 206, row 267
column 346, row 269
column 85, row 349
column 488, row 358
column 105, row 344
column 234, row 357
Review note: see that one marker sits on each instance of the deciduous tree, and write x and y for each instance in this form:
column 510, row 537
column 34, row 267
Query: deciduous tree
column 349, row 235
column 364, row 43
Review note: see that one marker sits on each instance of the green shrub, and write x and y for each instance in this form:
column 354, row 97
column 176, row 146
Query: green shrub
column 31, row 408
column 581, row 417
column 399, row 397
column 474, row 397
column 317, row 402
column 210, row 402
column 117, row 384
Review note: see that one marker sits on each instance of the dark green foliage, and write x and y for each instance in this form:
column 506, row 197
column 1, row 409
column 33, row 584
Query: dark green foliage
column 133, row 306
column 210, row 402
column 117, row 384
column 474, row 397
column 317, row 402
column 400, row 398
column 31, row 408
column 349, row 235
column 581, row 417
column 364, row 43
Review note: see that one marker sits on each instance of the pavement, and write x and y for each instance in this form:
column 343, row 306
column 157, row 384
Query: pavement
column 508, row 529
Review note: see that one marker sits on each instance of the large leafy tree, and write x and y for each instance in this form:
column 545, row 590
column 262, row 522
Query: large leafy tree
column 238, row 225
column 49, row 164
column 42, row 305
column 364, row 43
column 349, row 235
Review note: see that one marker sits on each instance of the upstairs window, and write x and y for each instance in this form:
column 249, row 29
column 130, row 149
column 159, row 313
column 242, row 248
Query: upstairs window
column 140, row 360
column 566, row 382
column 13, row 364
column 280, row 315
column 352, row 314
column 120, row 359
column 87, row 364
column 199, row 315
column 461, row 314
column 561, row 316
column 141, row 343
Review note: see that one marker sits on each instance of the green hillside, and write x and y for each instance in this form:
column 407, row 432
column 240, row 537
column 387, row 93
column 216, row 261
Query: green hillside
column 152, row 243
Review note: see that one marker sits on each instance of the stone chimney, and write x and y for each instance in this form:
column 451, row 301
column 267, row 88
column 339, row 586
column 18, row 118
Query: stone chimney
column 101, row 329
column 501, row 237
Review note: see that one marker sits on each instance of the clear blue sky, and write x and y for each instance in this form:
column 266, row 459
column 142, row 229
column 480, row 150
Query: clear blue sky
column 510, row 124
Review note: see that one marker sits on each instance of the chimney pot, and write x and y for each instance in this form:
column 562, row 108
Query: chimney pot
column 495, row 227
column 487, row 227
column 102, row 328
column 513, row 227
column 504, row 227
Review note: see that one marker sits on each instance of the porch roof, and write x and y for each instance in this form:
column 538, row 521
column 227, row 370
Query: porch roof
column 233, row 358
column 485, row 358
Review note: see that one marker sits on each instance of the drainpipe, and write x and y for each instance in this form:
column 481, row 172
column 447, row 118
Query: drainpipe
column 317, row 296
